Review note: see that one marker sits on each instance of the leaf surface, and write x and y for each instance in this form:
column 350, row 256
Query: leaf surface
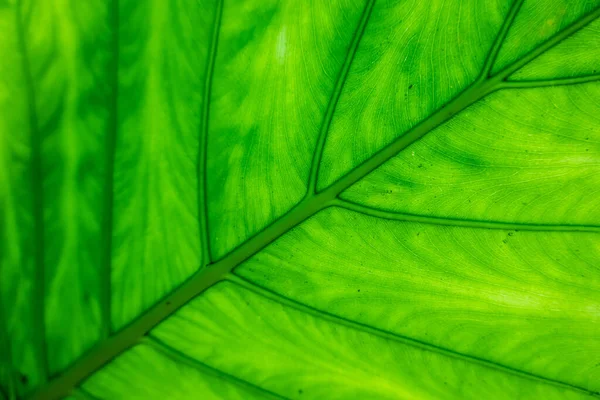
column 265, row 199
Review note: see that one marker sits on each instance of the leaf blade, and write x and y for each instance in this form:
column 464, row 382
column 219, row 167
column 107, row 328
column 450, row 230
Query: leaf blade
column 341, row 362
column 279, row 225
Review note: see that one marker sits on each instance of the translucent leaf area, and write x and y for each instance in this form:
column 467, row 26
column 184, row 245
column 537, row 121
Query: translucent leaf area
column 300, row 199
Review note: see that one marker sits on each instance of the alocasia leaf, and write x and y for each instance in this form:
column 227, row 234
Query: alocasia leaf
column 224, row 199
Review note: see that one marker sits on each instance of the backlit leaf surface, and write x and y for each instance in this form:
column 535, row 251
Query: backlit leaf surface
column 218, row 199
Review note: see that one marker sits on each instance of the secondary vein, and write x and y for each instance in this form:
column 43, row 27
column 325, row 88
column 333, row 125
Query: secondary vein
column 495, row 49
column 111, row 134
column 469, row 96
column 324, row 315
column 459, row 222
column 180, row 357
column 538, row 83
column 550, row 43
column 204, row 128
column 335, row 96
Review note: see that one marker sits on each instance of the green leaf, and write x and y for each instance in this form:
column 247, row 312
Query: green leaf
column 288, row 199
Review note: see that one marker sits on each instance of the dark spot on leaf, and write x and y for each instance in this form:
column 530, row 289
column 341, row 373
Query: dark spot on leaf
column 358, row 290
column 411, row 86
column 300, row 391
column 168, row 303
column 24, row 379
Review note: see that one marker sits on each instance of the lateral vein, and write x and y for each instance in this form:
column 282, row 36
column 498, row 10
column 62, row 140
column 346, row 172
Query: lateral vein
column 472, row 94
column 324, row 315
column 538, row 83
column 495, row 50
column 335, row 96
column 202, row 147
column 107, row 224
column 180, row 357
column 550, row 43
column 459, row 222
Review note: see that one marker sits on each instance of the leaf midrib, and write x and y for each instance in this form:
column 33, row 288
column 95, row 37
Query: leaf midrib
column 306, row 208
